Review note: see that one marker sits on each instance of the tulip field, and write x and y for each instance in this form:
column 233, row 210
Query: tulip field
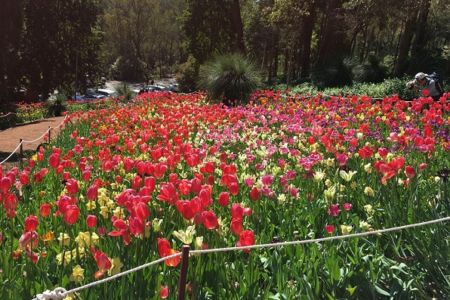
column 126, row 185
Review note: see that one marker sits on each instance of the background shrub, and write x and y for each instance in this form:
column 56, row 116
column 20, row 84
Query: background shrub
column 187, row 75
column 230, row 78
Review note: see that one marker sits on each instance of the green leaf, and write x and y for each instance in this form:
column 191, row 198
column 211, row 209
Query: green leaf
column 351, row 289
column 381, row 291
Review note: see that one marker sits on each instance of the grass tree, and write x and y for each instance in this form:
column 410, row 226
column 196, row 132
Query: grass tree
column 230, row 78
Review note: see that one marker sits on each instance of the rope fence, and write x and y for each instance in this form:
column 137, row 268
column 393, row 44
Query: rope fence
column 22, row 142
column 60, row 293
column 7, row 115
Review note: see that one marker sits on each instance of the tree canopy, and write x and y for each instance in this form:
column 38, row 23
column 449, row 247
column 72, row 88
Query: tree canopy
column 69, row 44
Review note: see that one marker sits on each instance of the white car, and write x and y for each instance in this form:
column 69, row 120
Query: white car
column 107, row 92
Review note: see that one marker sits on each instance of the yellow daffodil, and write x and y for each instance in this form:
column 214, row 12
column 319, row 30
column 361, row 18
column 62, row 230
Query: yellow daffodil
column 185, row 236
column 116, row 266
column 369, row 191
column 77, row 274
column 64, row 239
column 346, row 229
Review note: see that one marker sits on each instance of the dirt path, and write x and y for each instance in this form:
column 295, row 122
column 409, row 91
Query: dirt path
column 9, row 138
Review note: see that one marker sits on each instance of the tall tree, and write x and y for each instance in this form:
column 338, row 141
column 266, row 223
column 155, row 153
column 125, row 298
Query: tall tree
column 142, row 37
column 406, row 39
column 11, row 20
column 61, row 45
column 238, row 28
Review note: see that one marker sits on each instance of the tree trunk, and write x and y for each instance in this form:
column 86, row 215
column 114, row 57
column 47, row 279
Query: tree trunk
column 308, row 26
column 332, row 44
column 405, row 43
column 419, row 40
column 238, row 26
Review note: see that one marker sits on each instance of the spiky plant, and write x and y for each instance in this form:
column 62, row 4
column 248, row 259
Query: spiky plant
column 230, row 78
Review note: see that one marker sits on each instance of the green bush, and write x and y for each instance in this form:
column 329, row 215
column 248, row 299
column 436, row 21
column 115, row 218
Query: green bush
column 336, row 74
column 375, row 90
column 230, row 78
column 370, row 71
column 125, row 93
column 55, row 107
column 187, row 75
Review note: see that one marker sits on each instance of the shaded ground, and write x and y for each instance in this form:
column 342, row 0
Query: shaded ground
column 10, row 138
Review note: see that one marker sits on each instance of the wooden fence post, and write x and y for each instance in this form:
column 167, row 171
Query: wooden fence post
column 49, row 133
column 21, row 153
column 183, row 273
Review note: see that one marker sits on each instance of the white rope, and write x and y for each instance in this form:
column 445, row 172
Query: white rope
column 32, row 141
column 56, row 294
column 8, row 114
column 98, row 282
column 62, row 122
column 12, row 153
column 49, row 128
column 61, row 295
column 319, row 240
column 37, row 139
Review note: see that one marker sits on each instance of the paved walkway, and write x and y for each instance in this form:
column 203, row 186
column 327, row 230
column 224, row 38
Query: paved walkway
column 10, row 138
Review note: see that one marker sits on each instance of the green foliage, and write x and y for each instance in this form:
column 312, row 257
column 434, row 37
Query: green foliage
column 125, row 93
column 55, row 107
column 187, row 75
column 370, row 71
column 393, row 86
column 60, row 45
column 142, row 38
column 230, row 78
column 337, row 74
column 208, row 28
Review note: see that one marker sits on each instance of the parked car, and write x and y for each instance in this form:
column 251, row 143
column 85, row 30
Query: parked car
column 106, row 92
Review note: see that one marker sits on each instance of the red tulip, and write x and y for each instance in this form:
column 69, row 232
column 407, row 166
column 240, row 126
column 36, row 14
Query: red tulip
column 196, row 186
column 72, row 186
column 184, row 187
column 31, row 223
column 53, row 160
column 255, row 194
column 92, row 192
column 334, row 210
column 246, row 238
column 71, row 214
column 236, row 226
column 45, row 209
column 237, row 211
column 163, row 247
column 164, row 292
column 329, row 228
column 24, row 178
column 91, row 221
column 210, row 220
column 347, row 206
column 150, row 183
column 101, row 259
column 136, row 226
column 168, row 193
column 234, row 188
column 410, row 172
column 86, row 175
column 205, row 196
column 141, row 211
column 5, row 184
column 224, row 199
column 29, row 240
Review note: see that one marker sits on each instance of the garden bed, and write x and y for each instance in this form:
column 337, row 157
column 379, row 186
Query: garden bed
column 129, row 185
